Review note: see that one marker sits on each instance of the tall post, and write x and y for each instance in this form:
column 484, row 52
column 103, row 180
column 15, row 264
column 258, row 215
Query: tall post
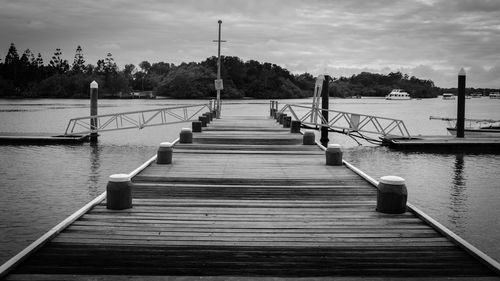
column 461, row 104
column 93, row 109
column 324, row 111
column 218, row 71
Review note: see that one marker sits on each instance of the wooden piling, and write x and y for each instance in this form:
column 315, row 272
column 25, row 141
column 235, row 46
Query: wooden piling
column 93, row 109
column 325, row 99
column 461, row 104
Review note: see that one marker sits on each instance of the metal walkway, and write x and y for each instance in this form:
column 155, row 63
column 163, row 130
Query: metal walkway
column 135, row 119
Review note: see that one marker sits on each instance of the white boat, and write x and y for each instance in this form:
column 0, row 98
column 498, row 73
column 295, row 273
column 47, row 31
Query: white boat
column 494, row 95
column 448, row 96
column 473, row 127
column 398, row 94
column 484, row 131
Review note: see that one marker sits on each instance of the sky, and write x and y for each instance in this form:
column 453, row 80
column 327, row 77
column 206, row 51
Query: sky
column 429, row 39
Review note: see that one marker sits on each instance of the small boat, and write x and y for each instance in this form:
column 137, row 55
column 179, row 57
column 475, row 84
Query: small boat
column 476, row 95
column 473, row 127
column 495, row 95
column 477, row 132
column 398, row 94
column 448, row 96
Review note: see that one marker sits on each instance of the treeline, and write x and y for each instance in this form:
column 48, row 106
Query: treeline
column 379, row 85
column 27, row 76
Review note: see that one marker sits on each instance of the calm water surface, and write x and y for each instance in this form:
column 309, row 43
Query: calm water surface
column 42, row 185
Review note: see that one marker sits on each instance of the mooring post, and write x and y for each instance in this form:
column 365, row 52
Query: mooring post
column 461, row 104
column 295, row 126
column 196, row 125
column 287, row 121
column 164, row 154
column 186, row 135
column 93, row 109
column 203, row 120
column 333, row 155
column 309, row 138
column 324, row 110
column 119, row 192
column 391, row 195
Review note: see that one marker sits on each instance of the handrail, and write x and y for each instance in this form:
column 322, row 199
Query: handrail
column 462, row 243
column 350, row 122
column 134, row 119
column 37, row 244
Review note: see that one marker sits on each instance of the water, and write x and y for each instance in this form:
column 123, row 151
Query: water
column 42, row 185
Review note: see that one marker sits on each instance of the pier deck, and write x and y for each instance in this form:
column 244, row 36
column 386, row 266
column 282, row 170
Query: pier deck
column 247, row 199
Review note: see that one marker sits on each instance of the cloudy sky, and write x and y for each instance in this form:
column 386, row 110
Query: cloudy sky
column 430, row 39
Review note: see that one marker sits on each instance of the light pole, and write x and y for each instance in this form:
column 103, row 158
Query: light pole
column 218, row 82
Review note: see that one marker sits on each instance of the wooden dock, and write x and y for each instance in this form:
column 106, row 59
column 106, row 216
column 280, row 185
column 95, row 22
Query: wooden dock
column 487, row 144
column 248, row 200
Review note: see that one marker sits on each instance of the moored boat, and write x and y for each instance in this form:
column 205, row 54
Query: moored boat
column 473, row 127
column 495, row 95
column 477, row 132
column 448, row 96
column 398, row 94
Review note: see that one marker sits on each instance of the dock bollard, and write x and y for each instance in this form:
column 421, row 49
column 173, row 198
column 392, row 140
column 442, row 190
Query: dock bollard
column 119, row 192
column 164, row 155
column 186, row 135
column 295, row 126
column 196, row 125
column 391, row 195
column 282, row 117
column 207, row 115
column 203, row 120
column 210, row 116
column 309, row 138
column 334, row 155
column 287, row 120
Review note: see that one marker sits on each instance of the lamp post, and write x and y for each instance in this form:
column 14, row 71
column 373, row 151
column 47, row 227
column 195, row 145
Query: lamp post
column 218, row 82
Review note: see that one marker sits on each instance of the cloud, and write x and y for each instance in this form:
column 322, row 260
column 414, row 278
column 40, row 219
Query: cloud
column 432, row 38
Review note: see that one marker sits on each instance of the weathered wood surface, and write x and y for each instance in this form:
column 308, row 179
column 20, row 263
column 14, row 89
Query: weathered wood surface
column 249, row 204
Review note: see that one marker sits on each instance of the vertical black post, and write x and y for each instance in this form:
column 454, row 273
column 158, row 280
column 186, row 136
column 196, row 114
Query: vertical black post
column 93, row 109
column 461, row 104
column 324, row 106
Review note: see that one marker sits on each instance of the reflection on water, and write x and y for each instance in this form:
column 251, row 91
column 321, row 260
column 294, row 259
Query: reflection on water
column 458, row 195
column 95, row 164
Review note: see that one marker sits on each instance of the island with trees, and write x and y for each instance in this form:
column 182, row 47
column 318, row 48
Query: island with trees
column 28, row 76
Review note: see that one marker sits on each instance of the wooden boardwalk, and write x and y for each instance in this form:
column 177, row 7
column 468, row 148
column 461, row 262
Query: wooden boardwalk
column 247, row 199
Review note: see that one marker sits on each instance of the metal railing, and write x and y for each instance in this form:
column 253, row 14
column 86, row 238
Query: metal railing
column 348, row 122
column 135, row 119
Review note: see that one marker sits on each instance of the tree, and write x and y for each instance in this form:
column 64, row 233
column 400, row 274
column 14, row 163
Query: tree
column 109, row 64
column 58, row 64
column 145, row 66
column 12, row 56
column 78, row 62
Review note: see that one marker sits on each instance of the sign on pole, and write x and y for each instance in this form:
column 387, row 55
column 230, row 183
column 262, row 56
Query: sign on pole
column 218, row 84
